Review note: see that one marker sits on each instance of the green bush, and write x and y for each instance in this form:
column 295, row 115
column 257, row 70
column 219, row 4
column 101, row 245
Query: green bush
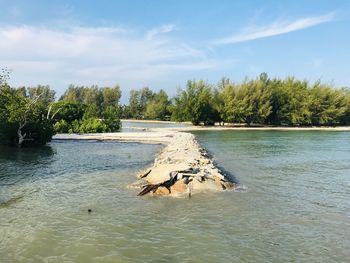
column 93, row 126
column 61, row 126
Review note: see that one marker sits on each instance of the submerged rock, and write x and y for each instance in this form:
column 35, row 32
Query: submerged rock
column 162, row 190
column 178, row 188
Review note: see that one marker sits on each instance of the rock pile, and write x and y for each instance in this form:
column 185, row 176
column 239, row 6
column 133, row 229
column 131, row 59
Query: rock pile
column 182, row 168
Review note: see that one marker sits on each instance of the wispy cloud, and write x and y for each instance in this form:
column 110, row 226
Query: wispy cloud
column 103, row 55
column 277, row 28
column 160, row 30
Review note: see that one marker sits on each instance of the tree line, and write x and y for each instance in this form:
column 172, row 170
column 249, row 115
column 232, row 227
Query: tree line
column 30, row 116
column 259, row 101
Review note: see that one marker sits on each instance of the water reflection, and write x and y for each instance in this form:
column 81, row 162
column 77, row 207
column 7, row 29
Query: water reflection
column 18, row 164
column 25, row 154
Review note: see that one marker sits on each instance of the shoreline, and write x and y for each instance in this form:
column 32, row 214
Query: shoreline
column 155, row 121
column 156, row 137
column 218, row 128
column 190, row 127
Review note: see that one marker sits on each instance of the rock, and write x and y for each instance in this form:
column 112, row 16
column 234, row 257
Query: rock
column 161, row 173
column 227, row 185
column 205, row 161
column 187, row 179
column 199, row 178
column 143, row 174
column 182, row 164
column 179, row 176
column 178, row 188
column 218, row 183
column 192, row 161
column 161, row 190
column 208, row 185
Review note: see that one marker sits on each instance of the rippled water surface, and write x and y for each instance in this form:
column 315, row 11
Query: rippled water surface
column 296, row 207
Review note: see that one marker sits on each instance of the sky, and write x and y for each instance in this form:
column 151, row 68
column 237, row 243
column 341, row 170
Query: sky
column 162, row 44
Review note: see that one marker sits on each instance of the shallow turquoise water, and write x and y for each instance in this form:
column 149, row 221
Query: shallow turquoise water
column 296, row 206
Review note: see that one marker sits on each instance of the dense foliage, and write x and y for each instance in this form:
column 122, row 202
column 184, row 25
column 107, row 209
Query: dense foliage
column 30, row 116
column 263, row 101
column 25, row 118
column 88, row 110
column 195, row 104
column 146, row 104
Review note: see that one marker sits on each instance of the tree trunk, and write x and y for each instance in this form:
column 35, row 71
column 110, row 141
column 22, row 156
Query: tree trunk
column 20, row 135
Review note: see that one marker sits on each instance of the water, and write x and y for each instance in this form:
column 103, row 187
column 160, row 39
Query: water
column 135, row 126
column 296, row 207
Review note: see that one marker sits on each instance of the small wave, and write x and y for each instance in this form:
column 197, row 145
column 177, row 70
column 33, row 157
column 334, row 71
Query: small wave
column 241, row 188
column 10, row 201
column 323, row 204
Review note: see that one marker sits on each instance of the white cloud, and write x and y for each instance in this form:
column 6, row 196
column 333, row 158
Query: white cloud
column 275, row 29
column 160, row 30
column 99, row 55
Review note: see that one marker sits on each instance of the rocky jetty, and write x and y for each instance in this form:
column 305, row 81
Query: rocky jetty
column 182, row 168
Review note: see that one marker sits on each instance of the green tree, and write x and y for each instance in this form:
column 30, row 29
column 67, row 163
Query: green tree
column 146, row 96
column 195, row 104
column 24, row 121
column 138, row 101
column 91, row 111
column 234, row 108
column 327, row 106
column 134, row 101
column 158, row 107
column 68, row 111
column 179, row 108
column 345, row 119
column 73, row 94
column 290, row 102
column 92, row 96
column 111, row 96
column 45, row 94
column 111, row 118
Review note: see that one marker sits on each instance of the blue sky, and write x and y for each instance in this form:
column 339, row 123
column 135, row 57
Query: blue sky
column 162, row 44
